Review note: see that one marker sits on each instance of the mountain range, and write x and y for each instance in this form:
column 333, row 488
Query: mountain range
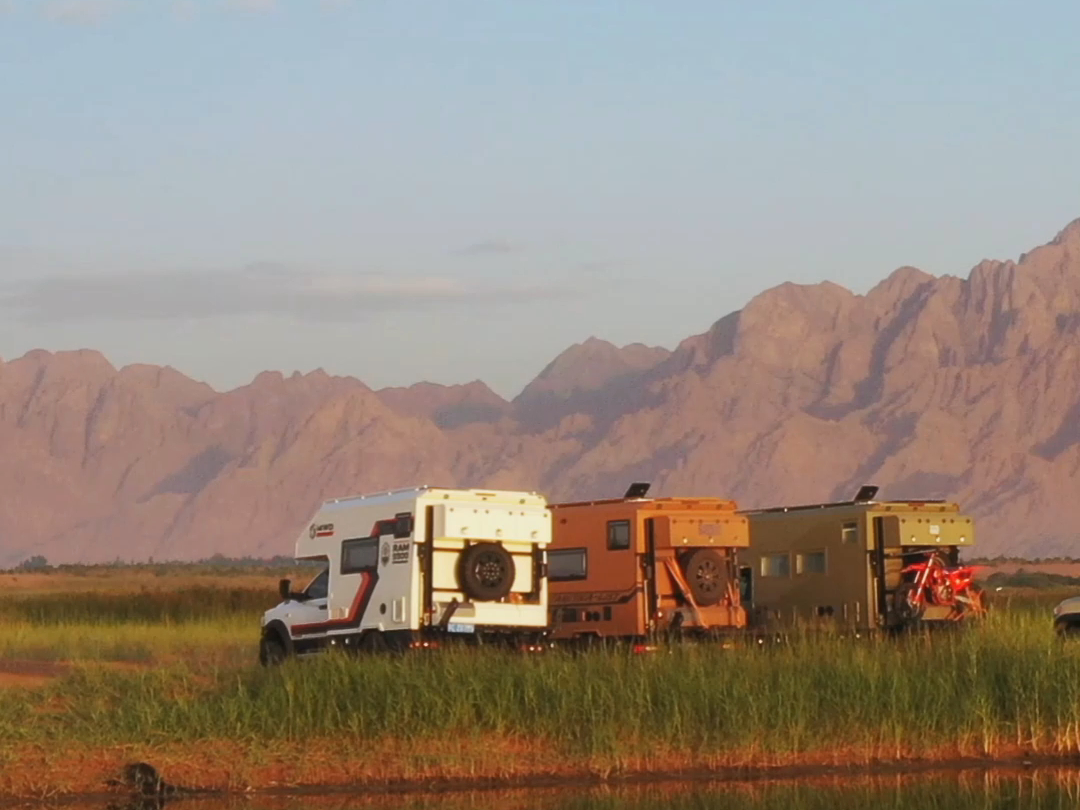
column 929, row 387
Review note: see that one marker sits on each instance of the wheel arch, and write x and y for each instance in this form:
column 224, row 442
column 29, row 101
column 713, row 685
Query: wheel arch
column 277, row 628
column 1067, row 622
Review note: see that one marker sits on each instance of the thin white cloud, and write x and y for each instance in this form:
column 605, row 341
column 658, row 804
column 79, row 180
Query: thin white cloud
column 82, row 12
column 254, row 290
column 257, row 6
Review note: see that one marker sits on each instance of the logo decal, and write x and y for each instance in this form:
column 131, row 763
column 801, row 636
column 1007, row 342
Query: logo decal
column 401, row 551
column 321, row 530
column 386, row 552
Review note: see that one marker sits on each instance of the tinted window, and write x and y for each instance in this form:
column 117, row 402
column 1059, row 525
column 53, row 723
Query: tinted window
column 403, row 525
column 317, row 588
column 618, row 534
column 812, row 562
column 359, row 555
column 776, row 565
column 568, row 563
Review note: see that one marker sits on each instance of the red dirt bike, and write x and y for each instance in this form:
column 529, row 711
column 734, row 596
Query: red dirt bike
column 933, row 582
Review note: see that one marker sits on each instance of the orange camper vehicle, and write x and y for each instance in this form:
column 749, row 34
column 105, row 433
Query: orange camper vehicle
column 637, row 568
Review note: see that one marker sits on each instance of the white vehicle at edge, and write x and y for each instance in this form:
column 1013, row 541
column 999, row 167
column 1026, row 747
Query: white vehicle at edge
column 1067, row 616
column 410, row 566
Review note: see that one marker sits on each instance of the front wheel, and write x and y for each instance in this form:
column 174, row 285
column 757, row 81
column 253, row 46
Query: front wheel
column 1068, row 629
column 271, row 651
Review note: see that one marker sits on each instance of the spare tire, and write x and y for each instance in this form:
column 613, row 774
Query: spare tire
column 486, row 572
column 706, row 574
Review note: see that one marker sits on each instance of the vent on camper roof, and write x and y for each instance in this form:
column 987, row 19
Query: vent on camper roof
column 866, row 493
column 637, row 490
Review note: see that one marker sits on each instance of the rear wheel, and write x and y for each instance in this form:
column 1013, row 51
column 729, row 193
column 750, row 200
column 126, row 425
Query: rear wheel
column 907, row 610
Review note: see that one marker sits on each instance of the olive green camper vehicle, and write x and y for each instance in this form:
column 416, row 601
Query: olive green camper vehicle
column 859, row 565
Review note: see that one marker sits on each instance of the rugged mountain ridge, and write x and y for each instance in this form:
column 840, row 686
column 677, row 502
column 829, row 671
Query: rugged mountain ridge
column 966, row 388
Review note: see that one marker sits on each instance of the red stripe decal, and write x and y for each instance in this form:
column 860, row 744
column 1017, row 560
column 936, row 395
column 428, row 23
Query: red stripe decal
column 358, row 600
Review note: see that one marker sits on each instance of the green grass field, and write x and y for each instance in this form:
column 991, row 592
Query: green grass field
column 1006, row 686
column 196, row 624
column 1009, row 682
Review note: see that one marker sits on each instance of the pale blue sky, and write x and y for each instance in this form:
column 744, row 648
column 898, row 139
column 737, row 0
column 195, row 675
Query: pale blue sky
column 454, row 190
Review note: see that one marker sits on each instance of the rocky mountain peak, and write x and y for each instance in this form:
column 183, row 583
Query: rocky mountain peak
column 965, row 388
column 590, row 365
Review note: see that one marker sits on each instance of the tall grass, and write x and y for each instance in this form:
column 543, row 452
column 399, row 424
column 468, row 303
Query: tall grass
column 192, row 603
column 226, row 640
column 989, row 689
column 194, row 623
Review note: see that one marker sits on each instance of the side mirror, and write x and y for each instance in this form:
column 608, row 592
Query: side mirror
column 284, row 588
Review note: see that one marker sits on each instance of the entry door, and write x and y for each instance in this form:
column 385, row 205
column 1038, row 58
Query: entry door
column 622, row 575
column 308, row 613
column 652, row 599
column 746, row 587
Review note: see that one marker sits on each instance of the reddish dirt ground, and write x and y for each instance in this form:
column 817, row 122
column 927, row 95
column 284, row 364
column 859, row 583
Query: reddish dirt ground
column 29, row 673
column 34, row 674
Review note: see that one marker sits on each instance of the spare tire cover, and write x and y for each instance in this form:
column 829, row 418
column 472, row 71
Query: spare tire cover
column 486, row 572
column 706, row 574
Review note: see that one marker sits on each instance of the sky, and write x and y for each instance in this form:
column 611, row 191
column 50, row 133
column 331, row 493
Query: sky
column 401, row 190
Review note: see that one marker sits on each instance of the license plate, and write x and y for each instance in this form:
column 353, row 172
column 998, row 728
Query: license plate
column 454, row 627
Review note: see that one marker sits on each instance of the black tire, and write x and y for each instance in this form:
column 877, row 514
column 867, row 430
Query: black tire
column 271, row 651
column 706, row 574
column 1068, row 628
column 486, row 572
column 905, row 611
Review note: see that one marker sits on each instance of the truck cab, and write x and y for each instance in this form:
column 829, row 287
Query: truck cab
column 416, row 567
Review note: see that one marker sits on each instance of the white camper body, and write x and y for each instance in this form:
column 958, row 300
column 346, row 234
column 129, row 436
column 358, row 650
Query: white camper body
column 404, row 566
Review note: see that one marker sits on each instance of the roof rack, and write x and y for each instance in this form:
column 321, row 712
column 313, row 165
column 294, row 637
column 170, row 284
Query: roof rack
column 380, row 494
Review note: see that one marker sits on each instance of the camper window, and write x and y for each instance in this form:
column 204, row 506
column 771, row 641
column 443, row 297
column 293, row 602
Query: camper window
column 359, row 555
column 849, row 532
column 618, row 534
column 566, row 564
column 776, row 565
column 317, row 588
column 812, row 562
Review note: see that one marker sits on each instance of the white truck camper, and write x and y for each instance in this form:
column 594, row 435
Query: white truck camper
column 412, row 567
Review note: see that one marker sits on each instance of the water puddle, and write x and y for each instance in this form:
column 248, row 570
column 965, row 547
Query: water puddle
column 1050, row 789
